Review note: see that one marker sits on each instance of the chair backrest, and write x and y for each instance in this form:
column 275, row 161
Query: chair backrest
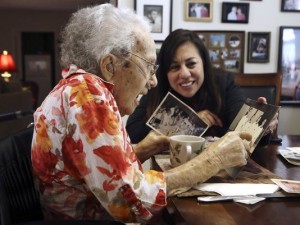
column 255, row 85
column 11, row 103
column 19, row 198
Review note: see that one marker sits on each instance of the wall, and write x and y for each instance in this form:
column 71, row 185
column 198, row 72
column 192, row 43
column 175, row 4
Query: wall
column 289, row 120
column 265, row 16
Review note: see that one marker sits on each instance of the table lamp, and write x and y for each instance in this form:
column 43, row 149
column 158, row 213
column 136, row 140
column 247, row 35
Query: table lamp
column 7, row 65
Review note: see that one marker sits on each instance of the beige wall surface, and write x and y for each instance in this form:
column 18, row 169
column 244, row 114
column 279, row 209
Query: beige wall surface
column 289, row 120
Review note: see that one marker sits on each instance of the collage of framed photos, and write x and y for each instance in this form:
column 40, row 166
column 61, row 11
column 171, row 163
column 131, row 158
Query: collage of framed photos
column 228, row 48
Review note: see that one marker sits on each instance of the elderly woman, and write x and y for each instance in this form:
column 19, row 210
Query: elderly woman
column 82, row 157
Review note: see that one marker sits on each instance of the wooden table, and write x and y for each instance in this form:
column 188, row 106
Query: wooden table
column 280, row 211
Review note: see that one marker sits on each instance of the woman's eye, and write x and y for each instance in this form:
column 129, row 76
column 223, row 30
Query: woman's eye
column 174, row 67
column 191, row 64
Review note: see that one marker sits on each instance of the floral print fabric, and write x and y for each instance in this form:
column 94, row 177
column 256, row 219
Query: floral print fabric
column 82, row 157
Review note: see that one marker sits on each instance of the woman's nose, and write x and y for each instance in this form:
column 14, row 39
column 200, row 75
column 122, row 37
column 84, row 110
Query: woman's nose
column 184, row 72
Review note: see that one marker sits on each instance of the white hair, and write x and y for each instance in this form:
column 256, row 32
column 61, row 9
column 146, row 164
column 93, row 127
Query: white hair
column 94, row 32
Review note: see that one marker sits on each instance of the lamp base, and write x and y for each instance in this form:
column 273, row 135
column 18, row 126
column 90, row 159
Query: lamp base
column 6, row 76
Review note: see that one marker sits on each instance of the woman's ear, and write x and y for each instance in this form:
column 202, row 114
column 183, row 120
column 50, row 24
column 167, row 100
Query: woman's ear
column 106, row 65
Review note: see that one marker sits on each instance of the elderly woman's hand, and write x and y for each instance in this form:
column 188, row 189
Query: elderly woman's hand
column 152, row 144
column 210, row 118
column 231, row 150
column 274, row 122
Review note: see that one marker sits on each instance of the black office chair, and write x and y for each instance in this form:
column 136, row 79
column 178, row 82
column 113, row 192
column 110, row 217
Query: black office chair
column 15, row 115
column 19, row 200
column 12, row 122
column 267, row 91
column 265, row 84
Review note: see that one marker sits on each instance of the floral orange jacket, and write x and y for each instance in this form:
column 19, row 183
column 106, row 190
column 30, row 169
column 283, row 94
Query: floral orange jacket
column 83, row 159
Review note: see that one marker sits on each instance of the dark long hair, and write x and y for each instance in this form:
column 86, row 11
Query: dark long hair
column 207, row 97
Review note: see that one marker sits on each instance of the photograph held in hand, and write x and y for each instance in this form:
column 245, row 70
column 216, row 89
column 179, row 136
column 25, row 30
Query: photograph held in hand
column 174, row 117
column 254, row 118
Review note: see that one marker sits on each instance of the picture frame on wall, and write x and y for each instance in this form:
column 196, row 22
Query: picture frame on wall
column 226, row 49
column 258, row 47
column 289, row 62
column 159, row 14
column 234, row 12
column 290, row 5
column 199, row 10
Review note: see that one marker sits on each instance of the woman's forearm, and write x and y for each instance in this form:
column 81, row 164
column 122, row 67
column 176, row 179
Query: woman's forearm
column 190, row 174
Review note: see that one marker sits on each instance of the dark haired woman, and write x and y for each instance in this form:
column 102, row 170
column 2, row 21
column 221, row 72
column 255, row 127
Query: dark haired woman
column 185, row 70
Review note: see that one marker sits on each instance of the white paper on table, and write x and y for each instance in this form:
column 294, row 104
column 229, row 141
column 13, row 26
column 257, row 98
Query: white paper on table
column 231, row 189
column 249, row 201
column 294, row 149
column 291, row 154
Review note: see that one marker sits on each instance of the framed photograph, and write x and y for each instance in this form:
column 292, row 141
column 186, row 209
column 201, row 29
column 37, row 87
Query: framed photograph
column 199, row 10
column 289, row 63
column 258, row 47
column 290, row 5
column 159, row 14
column 234, row 12
column 226, row 49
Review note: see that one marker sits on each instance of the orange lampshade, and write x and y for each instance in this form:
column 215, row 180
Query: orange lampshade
column 7, row 64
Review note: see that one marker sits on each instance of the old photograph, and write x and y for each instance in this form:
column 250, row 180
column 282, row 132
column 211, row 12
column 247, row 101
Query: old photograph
column 173, row 117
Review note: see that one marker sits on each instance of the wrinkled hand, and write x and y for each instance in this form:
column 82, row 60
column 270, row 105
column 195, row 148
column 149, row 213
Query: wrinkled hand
column 231, row 150
column 274, row 122
column 152, row 144
column 210, row 118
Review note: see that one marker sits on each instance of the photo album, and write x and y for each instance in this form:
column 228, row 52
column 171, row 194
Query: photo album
column 173, row 117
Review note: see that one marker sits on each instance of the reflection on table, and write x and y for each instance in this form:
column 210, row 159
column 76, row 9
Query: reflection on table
column 280, row 211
